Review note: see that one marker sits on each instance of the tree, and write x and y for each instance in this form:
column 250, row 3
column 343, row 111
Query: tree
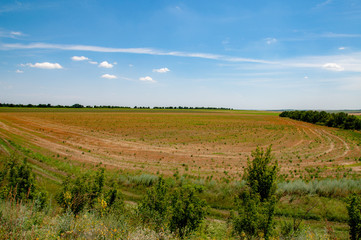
column 354, row 212
column 256, row 202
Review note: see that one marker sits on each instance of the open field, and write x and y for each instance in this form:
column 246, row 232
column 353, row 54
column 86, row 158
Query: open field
column 207, row 147
column 200, row 143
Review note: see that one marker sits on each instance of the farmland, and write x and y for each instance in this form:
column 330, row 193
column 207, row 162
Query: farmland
column 201, row 143
column 208, row 146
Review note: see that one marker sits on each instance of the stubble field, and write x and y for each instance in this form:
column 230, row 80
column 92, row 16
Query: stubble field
column 201, row 143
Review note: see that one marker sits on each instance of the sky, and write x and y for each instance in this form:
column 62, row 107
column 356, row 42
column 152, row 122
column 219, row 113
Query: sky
column 270, row 54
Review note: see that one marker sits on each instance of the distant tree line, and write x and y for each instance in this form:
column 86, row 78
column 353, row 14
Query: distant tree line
column 77, row 105
column 337, row 120
column 207, row 108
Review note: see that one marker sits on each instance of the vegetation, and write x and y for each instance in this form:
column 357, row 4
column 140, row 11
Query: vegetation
column 174, row 174
column 354, row 212
column 77, row 105
column 337, row 120
column 256, row 203
column 18, row 183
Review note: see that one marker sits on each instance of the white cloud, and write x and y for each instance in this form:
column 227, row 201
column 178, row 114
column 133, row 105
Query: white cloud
column 270, row 41
column 109, row 76
column 131, row 65
column 19, row 71
column 333, row 67
column 148, row 51
column 105, row 64
column 341, row 48
column 93, row 62
column 147, row 79
column 79, row 58
column 16, row 33
column 11, row 34
column 305, row 77
column 161, row 70
column 45, row 65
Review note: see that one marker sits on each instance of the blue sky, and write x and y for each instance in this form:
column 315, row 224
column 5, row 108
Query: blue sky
column 238, row 54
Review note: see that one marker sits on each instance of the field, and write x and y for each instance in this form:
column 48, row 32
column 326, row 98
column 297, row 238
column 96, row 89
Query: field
column 201, row 143
column 209, row 146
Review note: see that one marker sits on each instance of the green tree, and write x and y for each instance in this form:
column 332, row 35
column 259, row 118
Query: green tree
column 354, row 212
column 256, row 202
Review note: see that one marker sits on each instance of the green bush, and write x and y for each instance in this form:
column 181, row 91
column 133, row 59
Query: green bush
column 154, row 208
column 181, row 209
column 354, row 212
column 87, row 190
column 188, row 210
column 256, row 202
column 18, row 183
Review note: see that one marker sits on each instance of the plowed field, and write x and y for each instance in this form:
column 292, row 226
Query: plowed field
column 199, row 143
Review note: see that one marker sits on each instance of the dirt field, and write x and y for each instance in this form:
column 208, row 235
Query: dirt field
column 199, row 143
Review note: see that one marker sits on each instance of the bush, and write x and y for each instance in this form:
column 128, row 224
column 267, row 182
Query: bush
column 88, row 191
column 188, row 210
column 256, row 202
column 181, row 209
column 354, row 212
column 18, row 183
column 154, row 208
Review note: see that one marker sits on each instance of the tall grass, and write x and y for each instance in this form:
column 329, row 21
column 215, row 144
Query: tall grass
column 324, row 188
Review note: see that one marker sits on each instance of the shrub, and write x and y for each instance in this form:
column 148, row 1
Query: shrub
column 188, row 210
column 18, row 183
column 86, row 191
column 256, row 202
column 154, row 208
column 354, row 212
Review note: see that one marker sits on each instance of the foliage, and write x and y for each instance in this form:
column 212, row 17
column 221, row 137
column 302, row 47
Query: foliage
column 181, row 209
column 261, row 174
column 354, row 212
column 188, row 210
column 87, row 190
column 154, row 208
column 338, row 120
column 256, row 202
column 18, row 183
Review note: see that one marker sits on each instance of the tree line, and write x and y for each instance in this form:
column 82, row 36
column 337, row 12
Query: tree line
column 337, row 120
column 77, row 105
